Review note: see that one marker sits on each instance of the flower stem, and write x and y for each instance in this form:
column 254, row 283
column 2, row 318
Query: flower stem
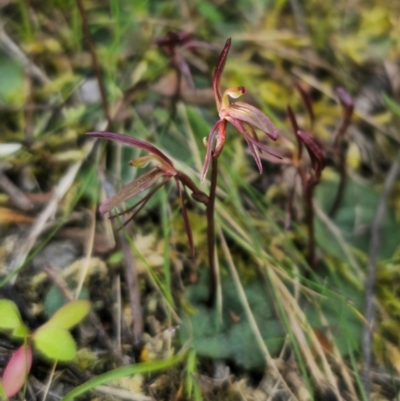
column 211, row 233
column 309, row 211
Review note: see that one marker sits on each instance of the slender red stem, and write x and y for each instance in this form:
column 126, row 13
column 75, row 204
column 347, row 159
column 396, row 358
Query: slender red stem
column 211, row 233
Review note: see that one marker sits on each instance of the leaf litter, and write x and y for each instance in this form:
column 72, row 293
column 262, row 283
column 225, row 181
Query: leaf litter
column 305, row 315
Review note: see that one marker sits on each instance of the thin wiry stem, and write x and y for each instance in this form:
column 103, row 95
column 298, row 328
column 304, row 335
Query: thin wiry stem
column 342, row 184
column 308, row 201
column 211, row 233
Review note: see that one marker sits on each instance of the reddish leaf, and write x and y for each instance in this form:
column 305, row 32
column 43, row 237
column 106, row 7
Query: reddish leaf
column 17, row 370
column 140, row 184
column 128, row 140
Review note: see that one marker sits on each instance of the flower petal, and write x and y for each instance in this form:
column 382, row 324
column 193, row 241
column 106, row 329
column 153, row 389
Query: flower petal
column 253, row 149
column 135, row 187
column 306, row 100
column 296, row 128
column 316, row 155
column 128, row 140
column 218, row 72
column 252, row 140
column 250, row 114
column 210, row 142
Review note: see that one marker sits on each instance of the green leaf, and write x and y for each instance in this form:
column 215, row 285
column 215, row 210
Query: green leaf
column 392, row 105
column 55, row 343
column 233, row 339
column 137, row 368
column 70, row 314
column 21, row 332
column 55, row 299
column 10, row 317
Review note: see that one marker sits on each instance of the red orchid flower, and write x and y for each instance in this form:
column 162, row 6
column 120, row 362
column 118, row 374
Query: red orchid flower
column 163, row 169
column 172, row 42
column 243, row 116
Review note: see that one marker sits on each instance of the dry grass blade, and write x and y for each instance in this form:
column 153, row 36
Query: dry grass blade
column 122, row 394
column 299, row 324
column 14, row 50
column 249, row 314
column 64, row 184
column 18, row 198
column 375, row 243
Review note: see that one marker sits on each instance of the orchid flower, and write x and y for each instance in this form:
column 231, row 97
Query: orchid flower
column 243, row 116
column 171, row 43
column 163, row 168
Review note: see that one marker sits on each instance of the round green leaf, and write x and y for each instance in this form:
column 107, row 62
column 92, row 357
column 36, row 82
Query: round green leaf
column 55, row 343
column 10, row 317
column 21, row 332
column 70, row 314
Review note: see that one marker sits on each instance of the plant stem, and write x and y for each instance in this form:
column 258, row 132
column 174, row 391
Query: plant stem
column 308, row 201
column 197, row 194
column 342, row 184
column 211, row 233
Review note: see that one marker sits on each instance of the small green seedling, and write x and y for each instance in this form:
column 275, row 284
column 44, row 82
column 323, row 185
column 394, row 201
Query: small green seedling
column 52, row 339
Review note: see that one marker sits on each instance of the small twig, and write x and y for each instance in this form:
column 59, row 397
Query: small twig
column 47, row 388
column 132, row 279
column 18, row 198
column 375, row 242
column 25, row 245
column 95, row 62
column 15, row 52
column 89, row 251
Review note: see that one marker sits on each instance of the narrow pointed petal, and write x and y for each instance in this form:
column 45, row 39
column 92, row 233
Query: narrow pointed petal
column 250, row 139
column 250, row 114
column 296, row 128
column 185, row 70
column 218, row 72
column 210, row 142
column 138, row 206
column 316, row 155
column 306, row 100
column 137, row 186
column 185, row 216
column 253, row 149
column 346, row 101
column 128, row 140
